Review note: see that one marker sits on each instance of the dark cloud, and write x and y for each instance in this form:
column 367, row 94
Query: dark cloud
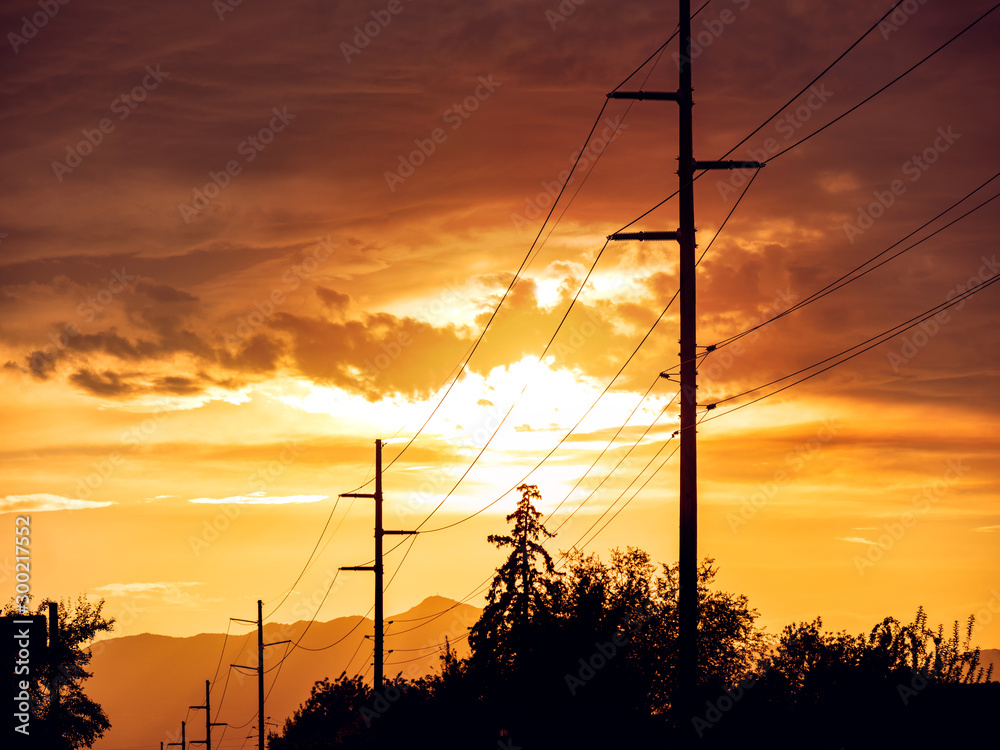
column 377, row 356
column 108, row 383
column 164, row 293
column 333, row 299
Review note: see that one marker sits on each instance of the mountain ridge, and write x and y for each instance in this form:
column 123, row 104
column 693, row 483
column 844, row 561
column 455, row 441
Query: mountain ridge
column 145, row 682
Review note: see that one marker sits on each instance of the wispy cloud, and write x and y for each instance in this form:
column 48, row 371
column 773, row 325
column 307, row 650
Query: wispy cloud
column 42, row 502
column 157, row 588
column 260, row 498
column 160, row 592
column 855, row 539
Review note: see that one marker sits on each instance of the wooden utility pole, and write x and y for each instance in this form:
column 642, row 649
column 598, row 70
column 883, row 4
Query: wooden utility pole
column 55, row 709
column 377, row 568
column 207, row 742
column 260, row 669
column 687, row 604
column 183, row 742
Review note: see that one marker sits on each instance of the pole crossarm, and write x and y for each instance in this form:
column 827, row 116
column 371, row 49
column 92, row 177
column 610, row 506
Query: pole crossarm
column 645, row 236
column 728, row 164
column 660, row 96
column 369, row 495
column 359, row 567
column 394, row 531
column 276, row 643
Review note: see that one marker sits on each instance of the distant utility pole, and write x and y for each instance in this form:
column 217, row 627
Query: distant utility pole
column 207, row 742
column 377, row 567
column 260, row 668
column 183, row 742
column 55, row 720
column 685, row 236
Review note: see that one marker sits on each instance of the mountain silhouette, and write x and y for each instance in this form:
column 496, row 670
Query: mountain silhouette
column 146, row 682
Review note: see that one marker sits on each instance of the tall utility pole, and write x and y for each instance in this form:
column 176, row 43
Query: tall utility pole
column 377, row 568
column 687, row 604
column 260, row 669
column 183, row 742
column 55, row 721
column 207, row 742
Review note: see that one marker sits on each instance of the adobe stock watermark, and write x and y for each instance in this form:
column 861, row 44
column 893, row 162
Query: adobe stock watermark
column 919, row 678
column 898, row 17
column 716, row 710
column 394, row 345
column 369, row 31
column 131, row 612
column 123, row 106
column 787, row 126
column 533, row 207
column 455, row 116
column 222, row 7
column 711, row 29
column 249, row 148
column 922, row 502
column 30, row 25
column 105, row 468
column 915, row 167
column 259, row 480
column 928, row 329
column 292, row 278
column 603, row 654
column 561, row 12
column 713, row 368
column 40, row 360
column 795, row 461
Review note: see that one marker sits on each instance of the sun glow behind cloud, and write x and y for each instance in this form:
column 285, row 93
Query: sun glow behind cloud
column 186, row 380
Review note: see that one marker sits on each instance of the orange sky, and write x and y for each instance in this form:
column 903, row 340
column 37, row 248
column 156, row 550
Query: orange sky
column 193, row 373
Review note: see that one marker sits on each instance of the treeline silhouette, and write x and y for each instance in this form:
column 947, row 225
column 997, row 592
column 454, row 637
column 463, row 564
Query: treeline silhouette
column 588, row 658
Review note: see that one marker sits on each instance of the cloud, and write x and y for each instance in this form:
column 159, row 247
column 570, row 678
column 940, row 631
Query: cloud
column 855, row 540
column 145, row 590
column 41, row 502
column 258, row 498
column 171, row 593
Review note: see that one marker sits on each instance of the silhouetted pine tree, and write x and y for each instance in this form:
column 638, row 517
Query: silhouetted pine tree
column 524, row 596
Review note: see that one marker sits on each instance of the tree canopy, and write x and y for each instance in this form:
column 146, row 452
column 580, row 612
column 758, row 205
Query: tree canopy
column 577, row 652
column 80, row 721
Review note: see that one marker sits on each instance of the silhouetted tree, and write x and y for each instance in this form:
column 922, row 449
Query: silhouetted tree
column 627, row 602
column 81, row 721
column 897, row 685
column 524, row 595
column 332, row 716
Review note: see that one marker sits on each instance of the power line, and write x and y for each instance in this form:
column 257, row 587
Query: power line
column 894, row 80
column 532, row 250
column 867, row 345
column 616, row 466
column 594, row 404
column 523, row 389
column 813, row 82
column 309, row 559
column 846, row 278
column 803, row 140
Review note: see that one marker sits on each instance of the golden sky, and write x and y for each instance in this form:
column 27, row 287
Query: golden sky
column 240, row 242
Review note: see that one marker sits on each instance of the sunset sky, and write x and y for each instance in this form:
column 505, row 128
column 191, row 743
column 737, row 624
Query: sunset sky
column 241, row 241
